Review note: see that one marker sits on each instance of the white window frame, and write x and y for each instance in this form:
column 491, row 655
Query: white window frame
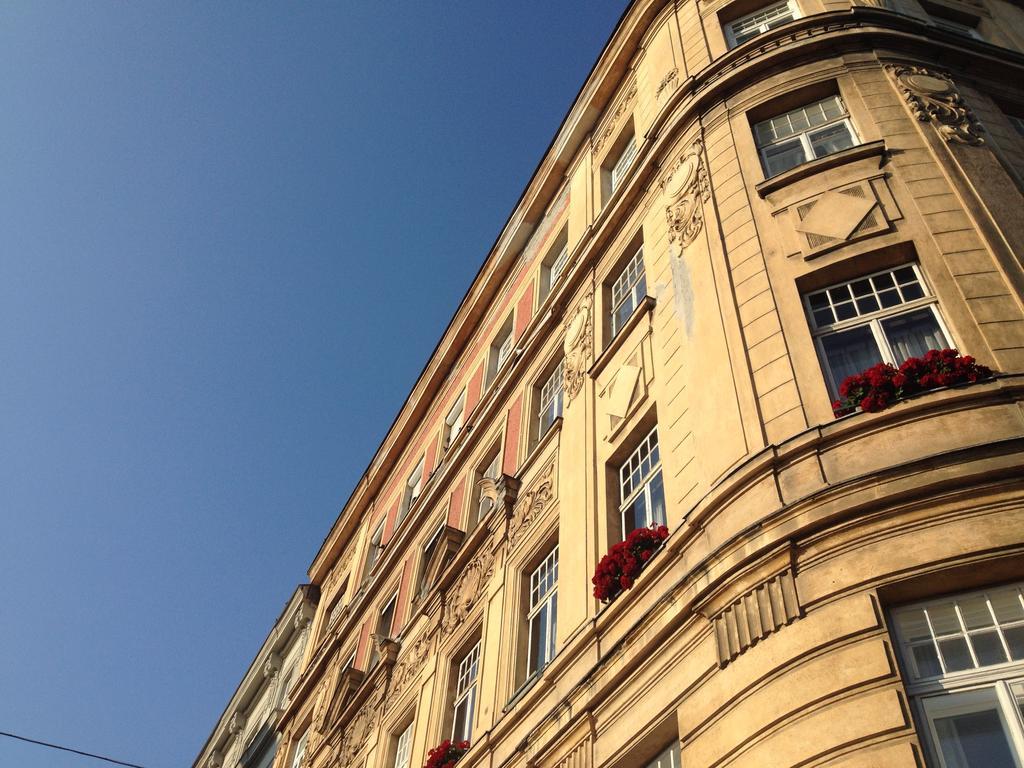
column 766, row 23
column 623, row 163
column 543, row 598
column 996, row 686
column 375, row 548
column 429, row 547
column 550, row 399
column 501, row 349
column 631, row 486
column 455, row 421
column 557, row 267
column 403, row 748
column 465, row 691
column 873, row 320
column 669, row 758
column 626, row 289
column 493, row 472
column 413, row 490
column 300, row 750
column 804, row 136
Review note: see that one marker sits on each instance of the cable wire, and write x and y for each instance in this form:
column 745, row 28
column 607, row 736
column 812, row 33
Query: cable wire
column 69, row 749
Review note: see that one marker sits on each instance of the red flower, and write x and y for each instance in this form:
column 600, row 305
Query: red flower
column 879, row 386
column 618, row 570
column 445, row 754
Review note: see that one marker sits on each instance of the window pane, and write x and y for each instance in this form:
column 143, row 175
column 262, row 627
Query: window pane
column 834, row 138
column 1015, row 640
column 943, row 619
column 1007, row 605
column 974, row 740
column 850, row 352
column 538, row 634
column 974, row 611
column 988, row 648
column 657, row 500
column 926, row 660
column 955, row 654
column 782, row 157
column 913, row 333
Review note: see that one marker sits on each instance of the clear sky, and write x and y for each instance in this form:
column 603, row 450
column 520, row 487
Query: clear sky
column 230, row 236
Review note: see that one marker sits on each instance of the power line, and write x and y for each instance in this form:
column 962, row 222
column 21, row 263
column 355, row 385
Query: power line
column 69, row 749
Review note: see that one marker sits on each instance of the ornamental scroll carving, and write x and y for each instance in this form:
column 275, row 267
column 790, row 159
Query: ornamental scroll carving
column 613, row 121
column 531, row 504
column 687, row 188
column 467, row 589
column 933, row 97
column 357, row 734
column 578, row 345
column 409, row 667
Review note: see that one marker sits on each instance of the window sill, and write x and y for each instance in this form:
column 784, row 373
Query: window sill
column 643, row 309
column 813, row 167
column 522, row 690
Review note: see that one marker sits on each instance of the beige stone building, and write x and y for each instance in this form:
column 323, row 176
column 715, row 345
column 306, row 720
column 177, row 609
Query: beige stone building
column 246, row 733
column 747, row 202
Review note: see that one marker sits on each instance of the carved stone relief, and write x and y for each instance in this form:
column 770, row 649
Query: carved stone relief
column 933, row 97
column 409, row 667
column 578, row 345
column 468, row 588
column 357, row 734
column 686, row 186
column 531, row 504
column 620, row 394
column 755, row 615
column 668, row 83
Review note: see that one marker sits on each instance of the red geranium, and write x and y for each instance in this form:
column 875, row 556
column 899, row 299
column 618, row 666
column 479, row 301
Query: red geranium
column 446, row 753
column 619, row 568
column 881, row 385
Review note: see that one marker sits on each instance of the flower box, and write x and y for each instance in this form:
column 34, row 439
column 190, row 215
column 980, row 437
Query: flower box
column 445, row 754
column 878, row 387
column 619, row 568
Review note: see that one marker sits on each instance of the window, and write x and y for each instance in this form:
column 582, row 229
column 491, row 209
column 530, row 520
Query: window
column 300, row 750
column 963, row 660
column 465, row 695
column 554, row 263
column 623, row 162
column 490, row 469
column 501, row 350
column 803, row 134
column 641, row 489
column 950, row 20
column 385, row 626
column 403, row 749
column 428, row 553
column 413, row 487
column 957, row 27
column 753, row 24
column 667, row 759
column 453, row 422
column 373, row 555
column 558, row 266
column 543, row 613
column 550, row 400
column 887, row 316
column 628, row 290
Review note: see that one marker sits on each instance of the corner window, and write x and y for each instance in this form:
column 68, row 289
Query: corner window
column 554, row 264
column 963, row 660
column 454, row 421
column 757, row 23
column 465, row 695
column 667, row 759
column 385, row 626
column 623, row 162
column 804, row 134
column 413, row 488
column 486, row 476
column 628, row 290
column 549, row 399
column 501, row 350
column 376, row 547
column 300, row 750
column 641, row 489
column 884, row 317
column 403, row 748
column 542, row 614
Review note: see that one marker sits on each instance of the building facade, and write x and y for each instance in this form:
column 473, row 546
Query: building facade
column 246, row 734
column 746, row 203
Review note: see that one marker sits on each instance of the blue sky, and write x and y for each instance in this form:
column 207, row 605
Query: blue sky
column 231, row 235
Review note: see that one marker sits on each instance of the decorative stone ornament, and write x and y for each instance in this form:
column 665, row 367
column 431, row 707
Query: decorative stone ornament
column 468, row 588
column 358, row 732
column 578, row 345
column 933, row 97
column 409, row 667
column 531, row 504
column 686, row 187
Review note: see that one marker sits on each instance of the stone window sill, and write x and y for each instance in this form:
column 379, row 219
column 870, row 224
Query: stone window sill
column 805, row 170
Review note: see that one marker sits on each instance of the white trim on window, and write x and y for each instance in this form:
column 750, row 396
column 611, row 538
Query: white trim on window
column 550, row 400
column 413, row 489
column 623, row 163
column 542, row 614
column 454, row 421
column 814, row 130
column 640, row 481
column 403, row 749
column 871, row 302
column 300, row 750
column 668, row 759
column 760, row 21
column 628, row 290
column 465, row 695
